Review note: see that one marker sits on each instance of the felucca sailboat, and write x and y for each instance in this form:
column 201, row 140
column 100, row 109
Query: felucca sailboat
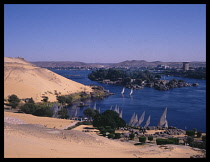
column 163, row 119
column 131, row 91
column 123, row 90
column 147, row 123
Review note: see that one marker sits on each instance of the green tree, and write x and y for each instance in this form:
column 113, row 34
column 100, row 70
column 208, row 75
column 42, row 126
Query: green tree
column 142, row 139
column 43, row 111
column 150, row 138
column 90, row 113
column 199, row 134
column 108, row 118
column 31, row 100
column 64, row 99
column 63, row 113
column 190, row 133
column 13, row 101
column 29, row 108
column 127, row 80
column 45, row 99
column 131, row 136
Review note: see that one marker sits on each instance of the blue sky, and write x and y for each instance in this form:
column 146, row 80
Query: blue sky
column 105, row 33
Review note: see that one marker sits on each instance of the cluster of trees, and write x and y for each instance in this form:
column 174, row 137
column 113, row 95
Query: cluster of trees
column 69, row 99
column 108, row 118
column 13, row 101
column 37, row 109
column 66, row 99
column 112, row 74
column 125, row 75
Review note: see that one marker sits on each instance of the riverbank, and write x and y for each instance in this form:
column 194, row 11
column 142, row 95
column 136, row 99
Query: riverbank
column 36, row 138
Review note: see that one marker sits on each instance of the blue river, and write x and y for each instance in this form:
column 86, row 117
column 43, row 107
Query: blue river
column 186, row 105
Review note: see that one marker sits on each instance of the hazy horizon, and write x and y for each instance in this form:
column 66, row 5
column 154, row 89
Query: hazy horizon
column 105, row 33
column 113, row 62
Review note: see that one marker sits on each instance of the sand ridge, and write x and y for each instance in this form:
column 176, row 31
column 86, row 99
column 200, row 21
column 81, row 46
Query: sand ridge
column 26, row 80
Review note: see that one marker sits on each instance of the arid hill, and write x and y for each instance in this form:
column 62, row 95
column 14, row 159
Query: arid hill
column 26, row 80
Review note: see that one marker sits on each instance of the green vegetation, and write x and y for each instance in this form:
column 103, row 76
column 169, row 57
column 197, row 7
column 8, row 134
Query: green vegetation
column 13, row 101
column 150, row 138
column 69, row 99
column 198, row 144
column 176, row 140
column 124, row 76
column 63, row 113
column 43, row 109
column 190, row 133
column 199, row 133
column 117, row 135
column 131, row 136
column 108, row 118
column 90, row 113
column 45, row 99
column 110, row 135
column 36, row 109
column 161, row 141
column 142, row 139
column 66, row 99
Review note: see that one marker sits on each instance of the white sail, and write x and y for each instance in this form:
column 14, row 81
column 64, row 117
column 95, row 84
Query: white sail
column 75, row 113
column 163, row 118
column 131, row 91
column 115, row 109
column 118, row 110
column 123, row 90
column 120, row 115
column 94, row 108
column 135, row 120
column 147, row 123
column 132, row 118
column 166, row 124
column 141, row 119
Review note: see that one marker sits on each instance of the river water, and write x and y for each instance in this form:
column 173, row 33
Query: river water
column 186, row 105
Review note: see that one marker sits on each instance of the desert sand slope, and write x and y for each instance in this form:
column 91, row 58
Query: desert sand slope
column 26, row 80
column 27, row 139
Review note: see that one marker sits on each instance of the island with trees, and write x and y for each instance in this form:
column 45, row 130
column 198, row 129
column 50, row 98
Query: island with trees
column 135, row 79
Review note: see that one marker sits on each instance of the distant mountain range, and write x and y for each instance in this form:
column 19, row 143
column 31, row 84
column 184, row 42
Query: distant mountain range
column 128, row 63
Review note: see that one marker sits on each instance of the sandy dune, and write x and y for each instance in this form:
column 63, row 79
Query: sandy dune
column 31, row 140
column 26, row 80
